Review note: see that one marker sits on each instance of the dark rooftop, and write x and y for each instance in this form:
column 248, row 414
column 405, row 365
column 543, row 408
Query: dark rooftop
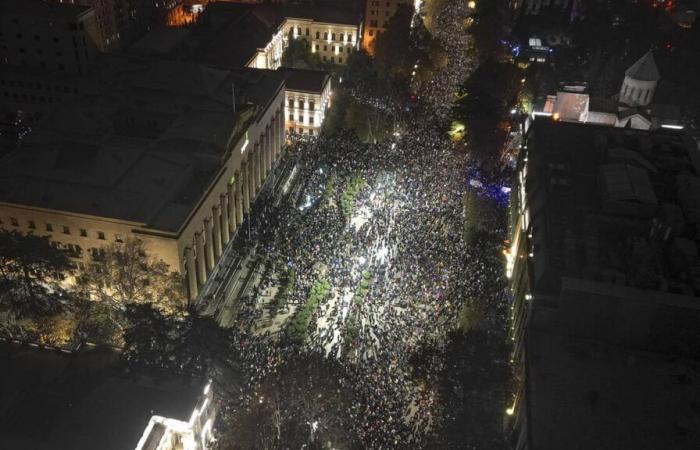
column 305, row 80
column 590, row 395
column 39, row 8
column 142, row 145
column 599, row 199
column 51, row 400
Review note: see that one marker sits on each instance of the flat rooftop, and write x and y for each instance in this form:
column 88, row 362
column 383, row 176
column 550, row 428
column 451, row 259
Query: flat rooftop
column 39, row 8
column 305, row 80
column 588, row 395
column 613, row 204
column 142, row 144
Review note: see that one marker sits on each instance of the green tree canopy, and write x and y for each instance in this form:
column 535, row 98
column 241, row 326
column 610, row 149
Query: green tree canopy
column 31, row 269
column 298, row 55
column 123, row 273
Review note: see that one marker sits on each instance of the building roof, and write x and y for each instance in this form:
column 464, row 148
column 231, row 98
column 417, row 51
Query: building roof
column 590, row 395
column 39, row 8
column 644, row 69
column 336, row 15
column 305, row 80
column 595, row 192
column 81, row 402
column 142, row 146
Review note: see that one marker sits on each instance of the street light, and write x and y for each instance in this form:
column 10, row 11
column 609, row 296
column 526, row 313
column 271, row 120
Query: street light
column 472, row 4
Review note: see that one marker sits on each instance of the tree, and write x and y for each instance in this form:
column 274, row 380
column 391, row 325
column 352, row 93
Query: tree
column 394, row 56
column 31, row 269
column 298, row 54
column 149, row 336
column 123, row 273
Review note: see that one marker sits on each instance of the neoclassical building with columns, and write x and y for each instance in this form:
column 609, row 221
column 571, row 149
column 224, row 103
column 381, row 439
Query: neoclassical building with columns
column 171, row 153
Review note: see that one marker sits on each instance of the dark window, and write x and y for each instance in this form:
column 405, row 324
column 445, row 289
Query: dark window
column 66, row 230
column 333, row 36
column 118, row 238
column 340, row 60
column 318, row 35
column 312, row 106
column 83, row 232
column 100, row 235
column 14, row 222
column 49, row 227
column 307, row 31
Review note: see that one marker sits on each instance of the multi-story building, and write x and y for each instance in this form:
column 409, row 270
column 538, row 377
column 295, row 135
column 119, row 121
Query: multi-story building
column 193, row 432
column 333, row 35
column 262, row 33
column 48, row 37
column 535, row 7
column 377, row 15
column 307, row 98
column 604, row 270
column 157, row 151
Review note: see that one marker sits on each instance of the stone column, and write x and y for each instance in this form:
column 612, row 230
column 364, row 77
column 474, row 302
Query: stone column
column 245, row 188
column 254, row 170
column 260, row 163
column 209, row 236
column 273, row 139
column 225, row 205
column 201, row 260
column 238, row 201
column 281, row 141
column 232, row 204
column 268, row 149
column 216, row 236
column 191, row 266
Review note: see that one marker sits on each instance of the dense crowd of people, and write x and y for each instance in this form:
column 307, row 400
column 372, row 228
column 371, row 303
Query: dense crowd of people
column 403, row 237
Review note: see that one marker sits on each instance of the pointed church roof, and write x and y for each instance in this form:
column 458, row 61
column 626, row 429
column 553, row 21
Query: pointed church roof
column 644, row 69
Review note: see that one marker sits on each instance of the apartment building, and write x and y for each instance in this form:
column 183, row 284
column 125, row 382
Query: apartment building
column 604, row 272
column 307, row 99
column 377, row 16
column 60, row 38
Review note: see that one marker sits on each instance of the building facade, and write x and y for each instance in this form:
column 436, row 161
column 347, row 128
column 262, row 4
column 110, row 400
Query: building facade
column 179, row 172
column 332, row 41
column 377, row 16
column 307, row 99
column 49, row 37
column 600, row 292
column 173, row 433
